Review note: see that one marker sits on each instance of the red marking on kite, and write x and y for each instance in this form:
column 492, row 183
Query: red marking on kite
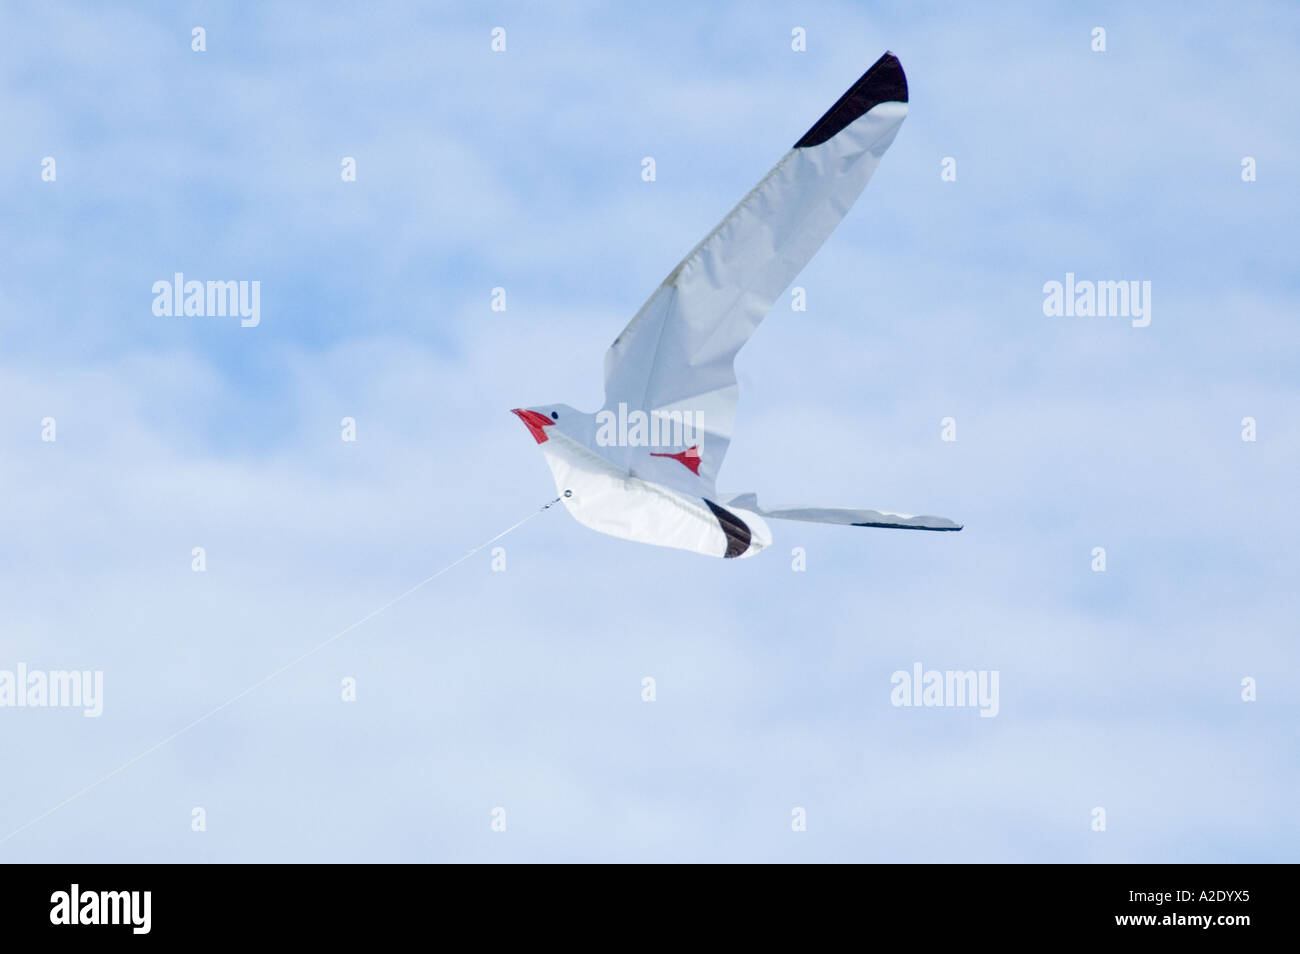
column 689, row 458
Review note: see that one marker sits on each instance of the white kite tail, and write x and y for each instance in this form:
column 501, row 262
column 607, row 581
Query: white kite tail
column 845, row 516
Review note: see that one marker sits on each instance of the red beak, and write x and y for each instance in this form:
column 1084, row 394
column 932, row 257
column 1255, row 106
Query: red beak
column 535, row 423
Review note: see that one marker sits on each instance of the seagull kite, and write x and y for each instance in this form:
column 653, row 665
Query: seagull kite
column 643, row 467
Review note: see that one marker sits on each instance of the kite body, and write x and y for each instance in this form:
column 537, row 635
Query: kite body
column 604, row 497
column 644, row 467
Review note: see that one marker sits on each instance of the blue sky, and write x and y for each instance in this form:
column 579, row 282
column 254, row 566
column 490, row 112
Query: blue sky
column 522, row 689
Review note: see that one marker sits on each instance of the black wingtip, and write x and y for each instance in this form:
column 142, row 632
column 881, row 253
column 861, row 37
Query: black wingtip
column 885, row 82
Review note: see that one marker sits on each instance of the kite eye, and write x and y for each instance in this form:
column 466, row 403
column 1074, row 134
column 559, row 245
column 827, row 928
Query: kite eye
column 554, row 416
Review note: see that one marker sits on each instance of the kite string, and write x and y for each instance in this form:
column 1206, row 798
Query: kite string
column 287, row 666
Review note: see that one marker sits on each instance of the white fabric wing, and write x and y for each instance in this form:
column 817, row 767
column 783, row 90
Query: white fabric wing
column 845, row 516
column 677, row 354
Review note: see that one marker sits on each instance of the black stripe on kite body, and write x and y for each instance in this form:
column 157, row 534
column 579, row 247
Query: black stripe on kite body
column 885, row 82
column 736, row 530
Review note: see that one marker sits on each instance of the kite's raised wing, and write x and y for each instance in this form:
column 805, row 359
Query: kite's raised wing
column 676, row 355
column 845, row 516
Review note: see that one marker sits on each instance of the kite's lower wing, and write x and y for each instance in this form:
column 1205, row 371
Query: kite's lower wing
column 676, row 355
column 845, row 516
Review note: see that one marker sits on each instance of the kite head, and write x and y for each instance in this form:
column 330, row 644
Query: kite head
column 553, row 418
